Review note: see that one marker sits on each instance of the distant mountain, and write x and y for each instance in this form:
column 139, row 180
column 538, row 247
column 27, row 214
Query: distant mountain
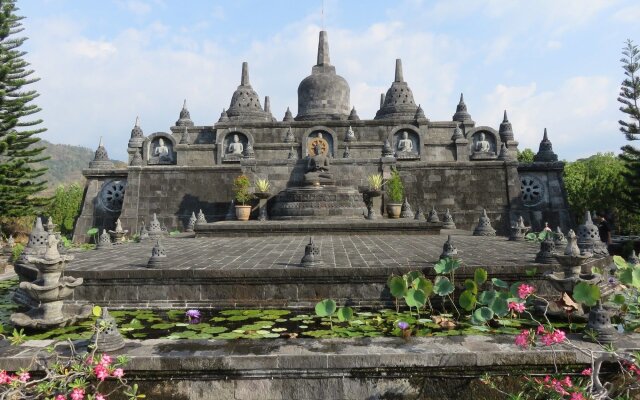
column 66, row 163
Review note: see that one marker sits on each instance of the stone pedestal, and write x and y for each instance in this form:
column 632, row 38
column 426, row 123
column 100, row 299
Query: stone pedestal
column 262, row 210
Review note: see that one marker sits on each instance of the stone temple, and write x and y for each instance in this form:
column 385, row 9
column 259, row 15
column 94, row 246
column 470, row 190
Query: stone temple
column 451, row 164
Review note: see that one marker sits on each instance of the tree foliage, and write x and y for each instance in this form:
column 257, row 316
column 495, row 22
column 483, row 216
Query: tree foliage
column 19, row 181
column 629, row 95
column 526, row 155
column 65, row 207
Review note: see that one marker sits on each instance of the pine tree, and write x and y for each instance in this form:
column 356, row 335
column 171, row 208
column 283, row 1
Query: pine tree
column 19, row 151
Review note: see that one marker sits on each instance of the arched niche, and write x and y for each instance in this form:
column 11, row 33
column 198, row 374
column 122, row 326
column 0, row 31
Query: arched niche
column 406, row 143
column 322, row 136
column 484, row 143
column 159, row 149
column 234, row 146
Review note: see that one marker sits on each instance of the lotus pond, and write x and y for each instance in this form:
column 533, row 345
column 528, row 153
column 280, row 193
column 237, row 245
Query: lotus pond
column 266, row 323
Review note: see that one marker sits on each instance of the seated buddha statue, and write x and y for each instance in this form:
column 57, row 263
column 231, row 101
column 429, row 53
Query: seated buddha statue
column 318, row 169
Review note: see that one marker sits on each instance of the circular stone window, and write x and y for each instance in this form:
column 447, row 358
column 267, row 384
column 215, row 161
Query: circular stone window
column 112, row 195
column 532, row 190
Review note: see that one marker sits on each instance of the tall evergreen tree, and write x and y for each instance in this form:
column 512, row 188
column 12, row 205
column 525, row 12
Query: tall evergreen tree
column 629, row 95
column 19, row 151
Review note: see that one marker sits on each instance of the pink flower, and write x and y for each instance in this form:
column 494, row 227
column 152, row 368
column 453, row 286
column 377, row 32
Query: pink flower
column 4, row 377
column 101, row 372
column 100, row 397
column 118, row 373
column 517, row 307
column 523, row 339
column 567, row 381
column 557, row 336
column 60, row 397
column 586, row 372
column 525, row 290
column 105, row 360
column 24, row 376
column 547, row 378
column 77, row 394
column 557, row 386
column 540, row 329
column 577, row 396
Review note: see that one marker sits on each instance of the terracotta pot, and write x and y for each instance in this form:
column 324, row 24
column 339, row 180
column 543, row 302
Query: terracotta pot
column 243, row 213
column 394, row 209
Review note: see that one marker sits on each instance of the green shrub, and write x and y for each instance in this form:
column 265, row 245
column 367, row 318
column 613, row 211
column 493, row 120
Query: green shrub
column 241, row 189
column 395, row 188
column 65, row 207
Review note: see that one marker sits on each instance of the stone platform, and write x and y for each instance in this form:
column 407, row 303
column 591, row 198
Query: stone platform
column 301, row 369
column 265, row 271
column 381, row 226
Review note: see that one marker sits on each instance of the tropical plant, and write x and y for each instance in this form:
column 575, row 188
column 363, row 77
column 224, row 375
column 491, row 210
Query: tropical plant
column 241, row 189
column 395, row 188
column 327, row 308
column 375, row 182
column 19, row 152
column 526, row 155
column 65, row 207
column 263, row 185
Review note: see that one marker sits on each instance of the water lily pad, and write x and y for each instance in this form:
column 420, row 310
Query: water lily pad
column 166, row 325
column 229, row 335
column 214, row 329
column 279, row 329
column 217, row 319
column 238, row 318
column 277, row 312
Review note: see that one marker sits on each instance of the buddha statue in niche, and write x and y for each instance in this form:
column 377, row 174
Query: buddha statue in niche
column 235, row 147
column 318, row 169
column 405, row 145
column 162, row 152
column 482, row 145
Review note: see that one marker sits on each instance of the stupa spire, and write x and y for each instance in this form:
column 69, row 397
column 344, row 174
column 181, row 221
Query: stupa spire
column 244, row 79
column 399, row 75
column 323, row 49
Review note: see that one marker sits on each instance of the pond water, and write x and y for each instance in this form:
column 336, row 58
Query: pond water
column 265, row 324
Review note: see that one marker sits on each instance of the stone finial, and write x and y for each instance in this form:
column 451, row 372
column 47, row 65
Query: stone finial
column 572, row 248
column 158, row 255
column 101, row 158
column 155, row 229
column 457, row 133
column 406, row 211
column 545, row 152
column 350, row 136
column 8, row 248
column 267, row 104
column 231, row 211
column 347, row 153
column 558, row 237
column 136, row 160
column 289, row 136
column 545, row 255
column 223, row 116
column 287, row 115
column 420, row 114
column 191, row 224
column 184, row 139
column 449, row 249
column 353, row 115
column 144, row 233
column 506, row 131
column 185, row 116
column 518, row 230
column 447, row 221
column 387, row 151
column 462, row 115
column 484, row 227
column 381, row 100
column 323, row 49
column 504, row 153
column 589, row 237
column 399, row 75
column 433, row 215
column 419, row 215
column 104, row 241
column 50, row 225
column 292, row 154
column 248, row 151
column 201, row 218
column 244, row 77
column 106, row 338
column 632, row 259
column 312, row 256
column 137, row 136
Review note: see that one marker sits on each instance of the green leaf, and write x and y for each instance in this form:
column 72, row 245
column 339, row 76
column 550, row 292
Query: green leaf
column 480, row 276
column 500, row 283
column 325, row 308
column 513, row 289
column 483, row 314
column 586, row 293
column 424, row 284
column 96, row 311
column 446, row 265
column 467, row 300
column 397, row 286
column 620, row 262
column 487, row 297
column 345, row 313
column 471, row 286
column 413, row 275
column 531, row 236
column 443, row 286
column 499, row 307
column 92, row 231
column 631, row 276
column 415, row 298
column 619, row 299
column 531, row 272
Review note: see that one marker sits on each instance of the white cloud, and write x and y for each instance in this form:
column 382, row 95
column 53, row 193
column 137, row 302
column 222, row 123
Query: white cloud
column 628, row 14
column 92, row 48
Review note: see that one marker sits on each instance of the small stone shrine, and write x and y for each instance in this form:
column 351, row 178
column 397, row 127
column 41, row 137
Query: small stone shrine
column 318, row 159
column 312, row 256
column 484, row 227
column 447, row 221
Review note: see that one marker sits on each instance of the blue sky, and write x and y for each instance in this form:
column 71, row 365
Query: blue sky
column 552, row 64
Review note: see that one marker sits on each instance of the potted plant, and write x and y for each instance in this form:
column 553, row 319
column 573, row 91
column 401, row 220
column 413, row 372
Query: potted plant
column 262, row 188
column 241, row 190
column 375, row 184
column 395, row 195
